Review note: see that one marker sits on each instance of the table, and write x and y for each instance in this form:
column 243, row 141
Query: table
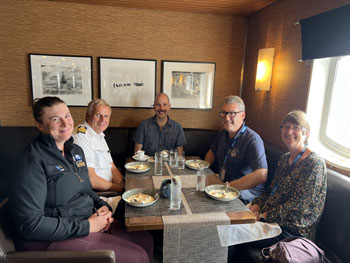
column 150, row 218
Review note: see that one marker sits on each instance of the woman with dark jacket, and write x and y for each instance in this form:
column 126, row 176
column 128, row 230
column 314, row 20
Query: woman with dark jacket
column 52, row 202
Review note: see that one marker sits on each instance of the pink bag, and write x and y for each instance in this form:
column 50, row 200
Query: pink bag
column 294, row 250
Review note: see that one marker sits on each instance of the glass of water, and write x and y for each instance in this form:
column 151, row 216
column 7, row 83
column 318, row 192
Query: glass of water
column 175, row 195
column 158, row 163
column 180, row 161
column 201, row 178
column 172, row 157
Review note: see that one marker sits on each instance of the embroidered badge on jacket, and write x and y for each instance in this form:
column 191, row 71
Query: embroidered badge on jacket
column 81, row 129
column 234, row 152
column 59, row 168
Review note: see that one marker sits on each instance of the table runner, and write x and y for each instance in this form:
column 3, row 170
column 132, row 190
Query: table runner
column 186, row 236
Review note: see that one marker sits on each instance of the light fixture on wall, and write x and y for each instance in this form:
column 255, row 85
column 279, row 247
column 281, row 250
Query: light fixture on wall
column 264, row 69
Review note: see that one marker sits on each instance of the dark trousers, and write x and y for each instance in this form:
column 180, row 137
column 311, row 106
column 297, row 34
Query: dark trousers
column 127, row 246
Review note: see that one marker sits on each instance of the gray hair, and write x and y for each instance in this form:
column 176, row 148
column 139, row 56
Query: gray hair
column 92, row 106
column 235, row 99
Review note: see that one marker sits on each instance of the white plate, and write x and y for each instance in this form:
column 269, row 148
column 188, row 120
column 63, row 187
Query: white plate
column 145, row 158
column 151, row 192
column 196, row 164
column 137, row 167
column 221, row 187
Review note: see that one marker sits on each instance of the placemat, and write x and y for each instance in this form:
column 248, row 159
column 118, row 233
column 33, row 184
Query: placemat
column 199, row 202
column 189, row 236
column 188, row 171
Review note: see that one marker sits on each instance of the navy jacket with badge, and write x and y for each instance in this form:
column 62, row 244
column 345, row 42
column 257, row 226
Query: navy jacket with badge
column 51, row 196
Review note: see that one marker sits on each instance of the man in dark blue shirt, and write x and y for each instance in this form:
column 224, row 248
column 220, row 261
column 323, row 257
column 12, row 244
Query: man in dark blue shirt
column 239, row 151
column 159, row 132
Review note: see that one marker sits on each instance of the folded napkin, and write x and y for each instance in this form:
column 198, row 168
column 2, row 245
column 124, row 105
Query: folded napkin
column 187, row 181
column 242, row 233
column 112, row 201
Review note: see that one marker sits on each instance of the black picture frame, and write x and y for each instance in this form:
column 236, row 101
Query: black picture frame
column 65, row 76
column 128, row 82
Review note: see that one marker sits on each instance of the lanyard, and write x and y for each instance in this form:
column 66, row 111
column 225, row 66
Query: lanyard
column 299, row 156
column 233, row 143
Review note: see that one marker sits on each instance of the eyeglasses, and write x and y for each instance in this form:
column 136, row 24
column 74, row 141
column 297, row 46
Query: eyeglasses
column 231, row 114
column 294, row 128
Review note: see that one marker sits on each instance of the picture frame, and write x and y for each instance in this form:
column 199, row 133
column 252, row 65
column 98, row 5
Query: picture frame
column 189, row 85
column 128, row 83
column 65, row 76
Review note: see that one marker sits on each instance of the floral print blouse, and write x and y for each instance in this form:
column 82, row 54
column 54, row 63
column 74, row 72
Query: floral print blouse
column 296, row 196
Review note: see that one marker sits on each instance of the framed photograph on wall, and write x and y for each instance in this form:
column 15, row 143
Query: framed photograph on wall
column 128, row 82
column 67, row 77
column 189, row 85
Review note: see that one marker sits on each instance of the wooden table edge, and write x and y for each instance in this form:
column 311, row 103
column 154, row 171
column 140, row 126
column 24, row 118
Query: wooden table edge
column 156, row 222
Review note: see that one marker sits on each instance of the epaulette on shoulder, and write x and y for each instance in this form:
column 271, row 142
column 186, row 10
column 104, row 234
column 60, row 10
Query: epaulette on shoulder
column 81, row 129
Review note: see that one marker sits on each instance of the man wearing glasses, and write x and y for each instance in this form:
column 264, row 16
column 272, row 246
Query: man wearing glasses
column 239, row 152
column 159, row 132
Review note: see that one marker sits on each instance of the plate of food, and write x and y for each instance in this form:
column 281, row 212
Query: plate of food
column 220, row 193
column 137, row 167
column 140, row 197
column 197, row 164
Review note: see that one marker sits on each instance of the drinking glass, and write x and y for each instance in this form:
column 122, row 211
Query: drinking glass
column 180, row 161
column 158, row 163
column 172, row 158
column 175, row 194
column 201, row 178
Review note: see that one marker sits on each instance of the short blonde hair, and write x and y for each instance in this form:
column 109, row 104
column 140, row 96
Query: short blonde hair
column 92, row 106
column 297, row 117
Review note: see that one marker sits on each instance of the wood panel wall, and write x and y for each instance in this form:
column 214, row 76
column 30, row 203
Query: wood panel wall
column 273, row 27
column 49, row 27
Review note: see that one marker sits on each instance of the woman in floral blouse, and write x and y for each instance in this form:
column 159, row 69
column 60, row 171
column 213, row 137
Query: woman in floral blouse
column 296, row 196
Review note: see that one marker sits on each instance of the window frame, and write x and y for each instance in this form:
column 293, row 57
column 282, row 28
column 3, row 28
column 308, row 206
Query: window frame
column 324, row 138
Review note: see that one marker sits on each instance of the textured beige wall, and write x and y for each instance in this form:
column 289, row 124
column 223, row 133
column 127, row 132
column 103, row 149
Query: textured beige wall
column 45, row 27
column 273, row 27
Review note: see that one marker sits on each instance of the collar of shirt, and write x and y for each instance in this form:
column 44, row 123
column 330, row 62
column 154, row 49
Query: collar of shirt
column 168, row 123
column 92, row 132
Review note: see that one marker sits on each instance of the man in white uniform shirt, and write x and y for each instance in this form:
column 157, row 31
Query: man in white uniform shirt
column 104, row 175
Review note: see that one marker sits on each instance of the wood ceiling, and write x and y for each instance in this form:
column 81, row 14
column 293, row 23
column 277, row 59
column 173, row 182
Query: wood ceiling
column 229, row 7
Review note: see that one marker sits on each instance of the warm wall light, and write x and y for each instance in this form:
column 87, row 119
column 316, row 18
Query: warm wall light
column 264, row 69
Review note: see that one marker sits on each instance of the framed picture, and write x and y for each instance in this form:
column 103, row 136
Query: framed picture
column 67, row 77
column 128, row 82
column 189, row 85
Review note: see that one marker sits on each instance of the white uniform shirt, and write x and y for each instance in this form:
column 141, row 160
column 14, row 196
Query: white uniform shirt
column 95, row 149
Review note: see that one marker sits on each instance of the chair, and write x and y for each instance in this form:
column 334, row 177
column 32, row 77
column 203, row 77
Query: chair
column 8, row 252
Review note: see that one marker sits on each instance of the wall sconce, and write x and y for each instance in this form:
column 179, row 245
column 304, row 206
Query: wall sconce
column 264, row 69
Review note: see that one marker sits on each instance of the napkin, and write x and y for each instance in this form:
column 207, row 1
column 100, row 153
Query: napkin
column 242, row 233
column 112, row 201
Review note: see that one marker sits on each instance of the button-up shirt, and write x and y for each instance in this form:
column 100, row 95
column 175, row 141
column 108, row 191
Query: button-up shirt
column 96, row 150
column 155, row 139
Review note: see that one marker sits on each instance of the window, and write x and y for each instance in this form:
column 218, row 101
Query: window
column 329, row 110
